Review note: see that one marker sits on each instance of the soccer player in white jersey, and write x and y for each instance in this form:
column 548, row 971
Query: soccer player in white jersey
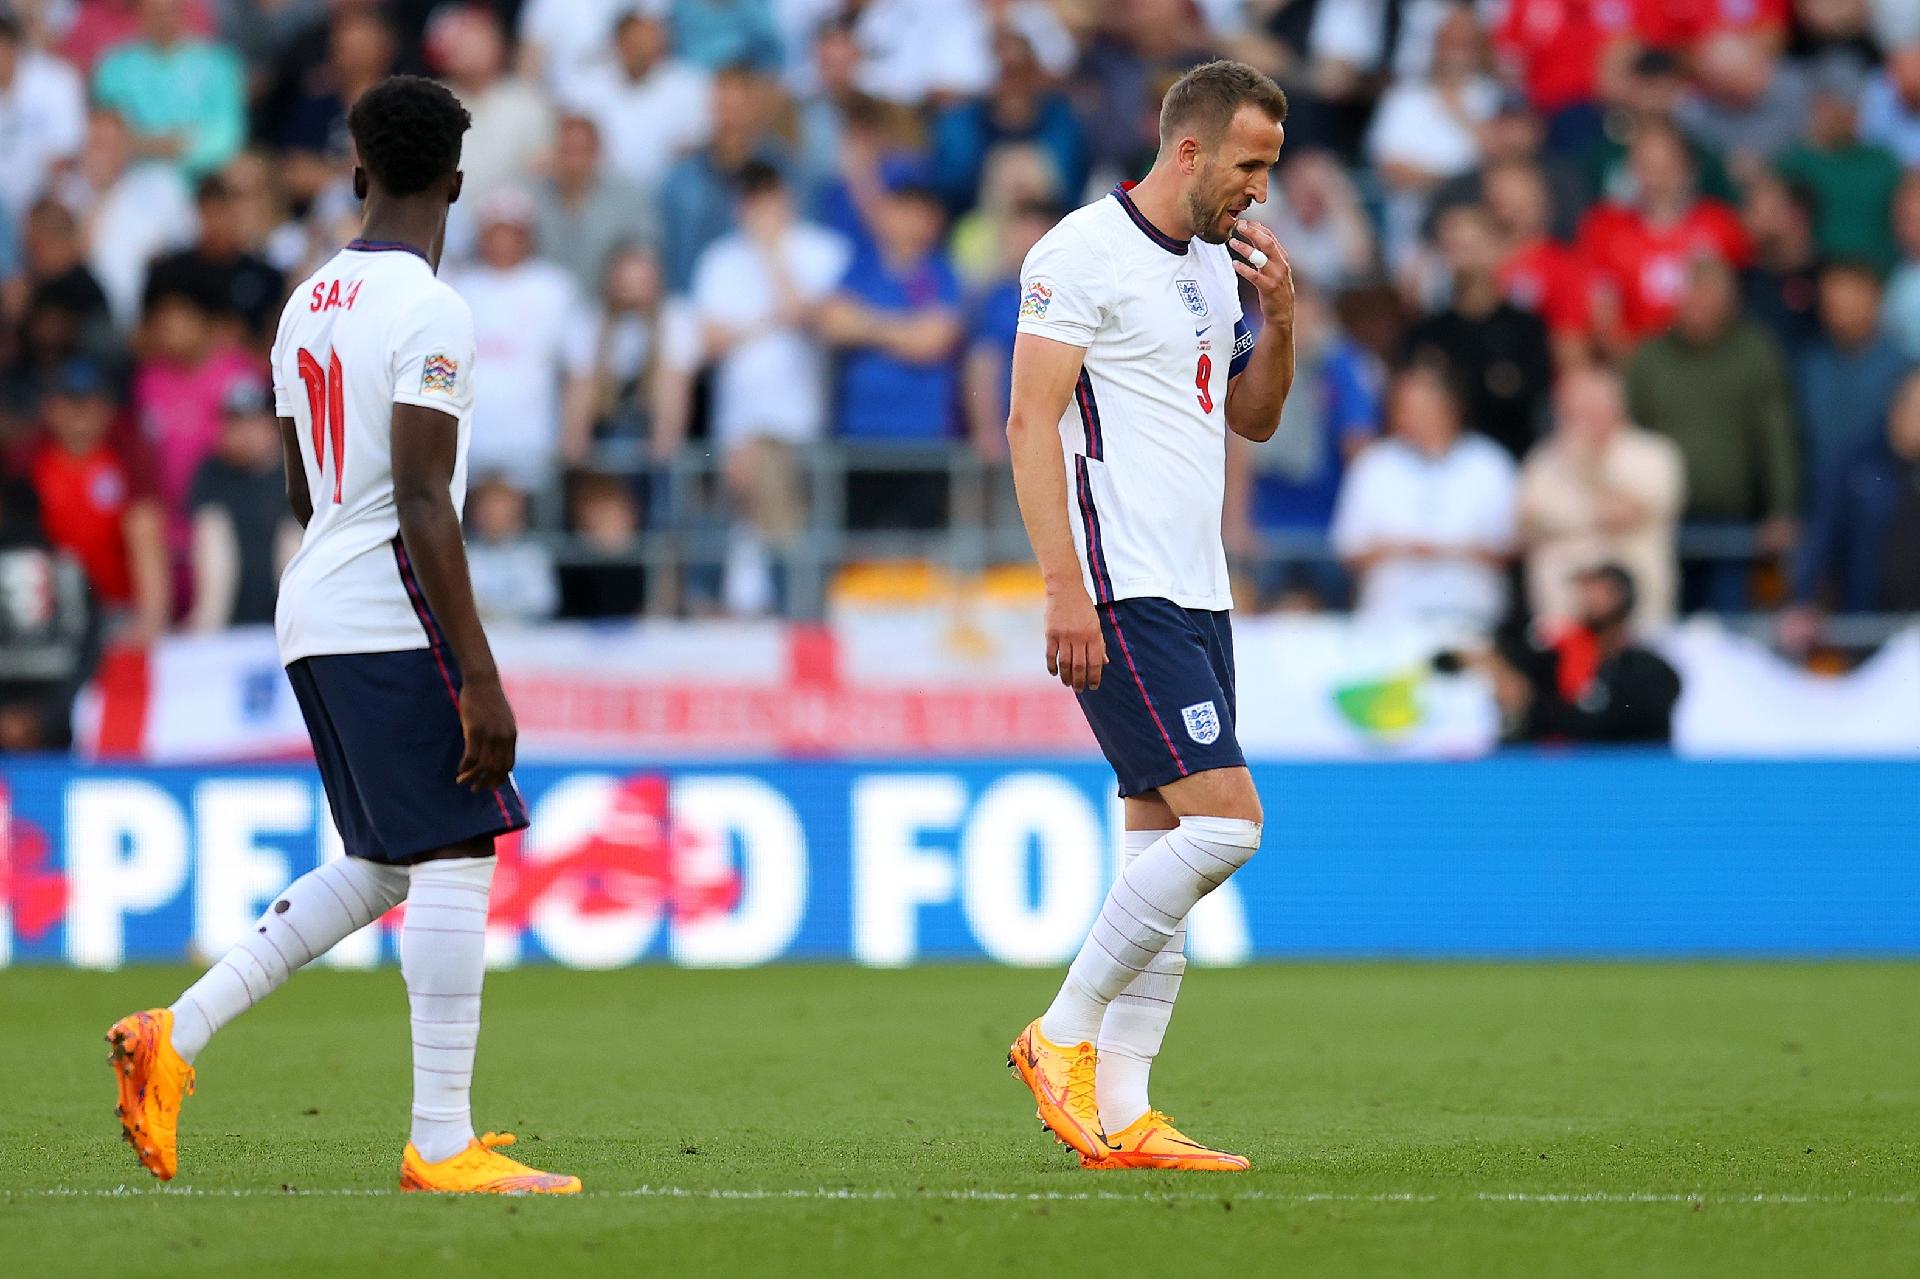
column 1131, row 364
column 373, row 385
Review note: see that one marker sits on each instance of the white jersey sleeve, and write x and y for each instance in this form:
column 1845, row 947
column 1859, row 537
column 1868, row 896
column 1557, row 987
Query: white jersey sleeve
column 433, row 350
column 1067, row 288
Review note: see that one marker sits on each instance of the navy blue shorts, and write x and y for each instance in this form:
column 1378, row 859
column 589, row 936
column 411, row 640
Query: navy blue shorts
column 386, row 734
column 1165, row 706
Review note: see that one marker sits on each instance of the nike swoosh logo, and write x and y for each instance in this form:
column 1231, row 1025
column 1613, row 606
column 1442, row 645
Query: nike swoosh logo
column 1201, row 332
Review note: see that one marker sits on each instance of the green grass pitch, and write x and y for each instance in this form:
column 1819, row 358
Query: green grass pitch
column 1431, row 1120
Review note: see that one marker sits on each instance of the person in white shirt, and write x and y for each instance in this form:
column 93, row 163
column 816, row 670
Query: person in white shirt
column 132, row 213
column 650, row 106
column 524, row 311
column 755, row 292
column 43, row 117
column 560, row 39
column 373, row 386
column 1131, row 363
column 513, row 118
column 1426, row 519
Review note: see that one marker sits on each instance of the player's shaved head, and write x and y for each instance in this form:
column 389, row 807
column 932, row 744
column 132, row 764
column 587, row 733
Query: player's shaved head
column 407, row 131
column 1202, row 103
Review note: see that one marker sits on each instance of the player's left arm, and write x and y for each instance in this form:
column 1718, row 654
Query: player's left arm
column 425, row 447
column 298, row 499
column 1257, row 389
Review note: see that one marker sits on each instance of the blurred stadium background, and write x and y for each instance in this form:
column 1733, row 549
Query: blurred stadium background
column 745, row 275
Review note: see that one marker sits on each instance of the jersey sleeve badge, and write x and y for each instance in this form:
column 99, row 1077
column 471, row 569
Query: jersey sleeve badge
column 439, row 375
column 1035, row 301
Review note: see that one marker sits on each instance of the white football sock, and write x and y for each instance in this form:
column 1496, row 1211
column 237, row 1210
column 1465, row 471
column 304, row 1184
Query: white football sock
column 1142, row 913
column 443, row 956
column 315, row 913
column 1135, row 1023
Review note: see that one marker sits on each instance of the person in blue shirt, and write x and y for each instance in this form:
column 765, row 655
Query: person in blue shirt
column 993, row 313
column 183, row 97
column 1848, row 376
column 896, row 323
column 697, row 195
column 1842, row 557
column 1288, row 488
column 1022, row 107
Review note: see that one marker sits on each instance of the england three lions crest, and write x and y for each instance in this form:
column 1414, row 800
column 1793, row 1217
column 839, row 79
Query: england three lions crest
column 1191, row 295
column 1203, row 722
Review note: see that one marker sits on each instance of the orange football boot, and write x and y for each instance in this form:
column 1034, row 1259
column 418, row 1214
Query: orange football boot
column 1061, row 1080
column 1151, row 1141
column 477, row 1170
column 153, row 1081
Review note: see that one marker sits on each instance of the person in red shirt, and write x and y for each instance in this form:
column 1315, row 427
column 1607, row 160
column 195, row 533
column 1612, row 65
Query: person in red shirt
column 98, row 502
column 1643, row 248
column 1538, row 273
column 1565, row 50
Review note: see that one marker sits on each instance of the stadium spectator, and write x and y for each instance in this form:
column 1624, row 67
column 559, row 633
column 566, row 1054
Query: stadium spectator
column 1289, row 485
column 513, row 574
column 1424, row 520
column 1317, row 213
column 1515, row 135
column 1537, row 273
column 1780, row 290
column 1890, row 106
column 1126, row 67
column 132, row 213
column 1584, row 679
column 616, row 354
column 1717, row 386
column 183, row 97
column 323, row 71
column 756, row 292
column 65, row 308
column 603, row 584
column 513, row 119
column 583, row 212
column 1564, row 54
column 896, row 322
column 992, row 313
column 1847, row 377
column 1428, row 130
column 1844, row 561
column 1902, row 305
column 1650, row 93
column 697, row 193
column 101, row 26
column 727, row 33
column 242, row 288
column 651, row 107
column 523, row 307
column 1750, row 106
column 242, row 531
column 1023, row 107
column 99, row 503
column 1496, row 350
column 43, row 117
column 1017, row 175
column 1600, row 489
column 562, row 40
column 184, row 372
column 825, row 101
column 44, row 632
column 1643, row 245
column 1852, row 181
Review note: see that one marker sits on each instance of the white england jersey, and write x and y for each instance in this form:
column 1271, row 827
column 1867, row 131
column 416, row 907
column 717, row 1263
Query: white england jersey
column 372, row 328
column 1145, row 438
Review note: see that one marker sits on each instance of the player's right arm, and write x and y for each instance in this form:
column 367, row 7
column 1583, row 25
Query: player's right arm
column 1044, row 374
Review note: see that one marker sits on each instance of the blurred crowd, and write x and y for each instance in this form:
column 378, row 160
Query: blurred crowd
column 1579, row 281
